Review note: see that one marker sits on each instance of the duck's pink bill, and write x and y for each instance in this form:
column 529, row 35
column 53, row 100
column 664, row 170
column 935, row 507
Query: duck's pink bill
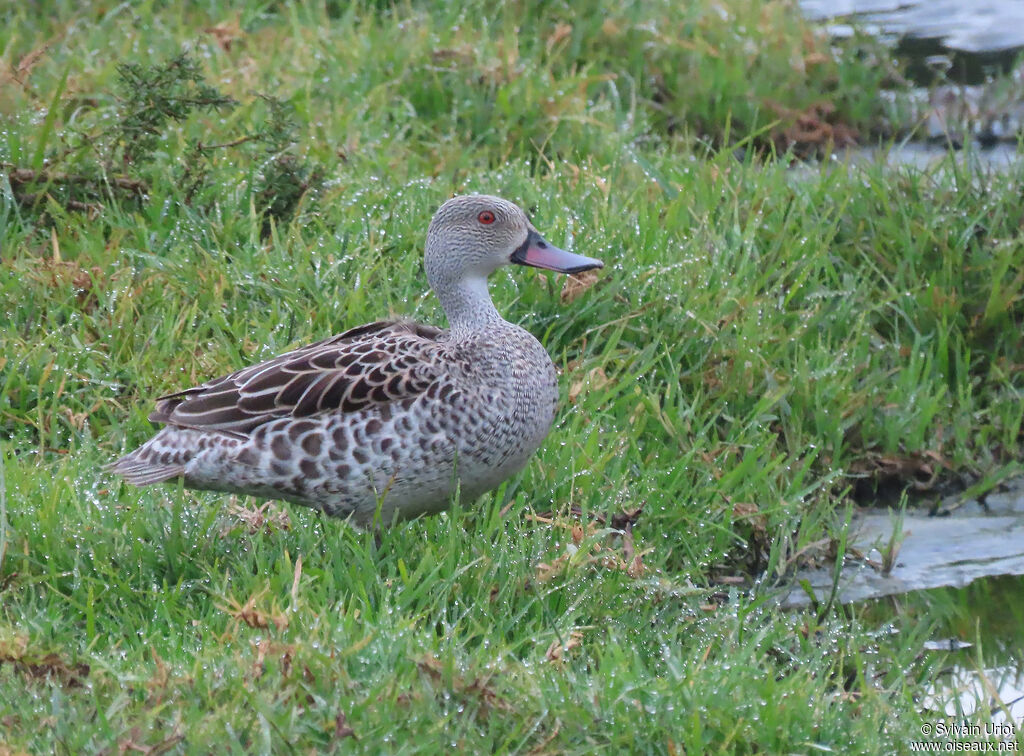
column 538, row 253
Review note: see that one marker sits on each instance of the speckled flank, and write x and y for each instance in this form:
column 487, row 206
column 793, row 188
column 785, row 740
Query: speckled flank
column 391, row 415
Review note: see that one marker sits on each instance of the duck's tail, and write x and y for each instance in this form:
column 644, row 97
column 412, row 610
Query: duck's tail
column 153, row 462
column 143, row 472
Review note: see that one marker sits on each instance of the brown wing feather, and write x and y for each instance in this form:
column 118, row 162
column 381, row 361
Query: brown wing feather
column 377, row 363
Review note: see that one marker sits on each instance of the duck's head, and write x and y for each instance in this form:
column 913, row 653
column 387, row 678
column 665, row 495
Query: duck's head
column 472, row 236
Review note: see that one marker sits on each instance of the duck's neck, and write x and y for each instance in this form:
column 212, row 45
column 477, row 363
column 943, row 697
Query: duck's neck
column 467, row 303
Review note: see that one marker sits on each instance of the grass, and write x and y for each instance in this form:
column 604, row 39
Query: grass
column 760, row 346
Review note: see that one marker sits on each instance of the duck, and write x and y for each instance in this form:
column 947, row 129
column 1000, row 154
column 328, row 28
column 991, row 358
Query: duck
column 387, row 421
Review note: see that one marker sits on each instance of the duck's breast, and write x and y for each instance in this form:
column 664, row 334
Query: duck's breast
column 503, row 408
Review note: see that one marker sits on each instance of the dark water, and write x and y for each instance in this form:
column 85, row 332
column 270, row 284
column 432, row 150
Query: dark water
column 966, row 41
column 978, row 644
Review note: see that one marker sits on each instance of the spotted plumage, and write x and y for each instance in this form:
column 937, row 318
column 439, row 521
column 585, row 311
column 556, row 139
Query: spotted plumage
column 388, row 419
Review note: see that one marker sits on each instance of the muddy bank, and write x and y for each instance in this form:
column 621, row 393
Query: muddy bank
column 960, row 74
column 887, row 554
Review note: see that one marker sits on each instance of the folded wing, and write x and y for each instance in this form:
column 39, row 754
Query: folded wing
column 375, row 364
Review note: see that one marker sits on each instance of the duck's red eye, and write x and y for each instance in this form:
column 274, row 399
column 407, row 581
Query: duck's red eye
column 486, row 217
